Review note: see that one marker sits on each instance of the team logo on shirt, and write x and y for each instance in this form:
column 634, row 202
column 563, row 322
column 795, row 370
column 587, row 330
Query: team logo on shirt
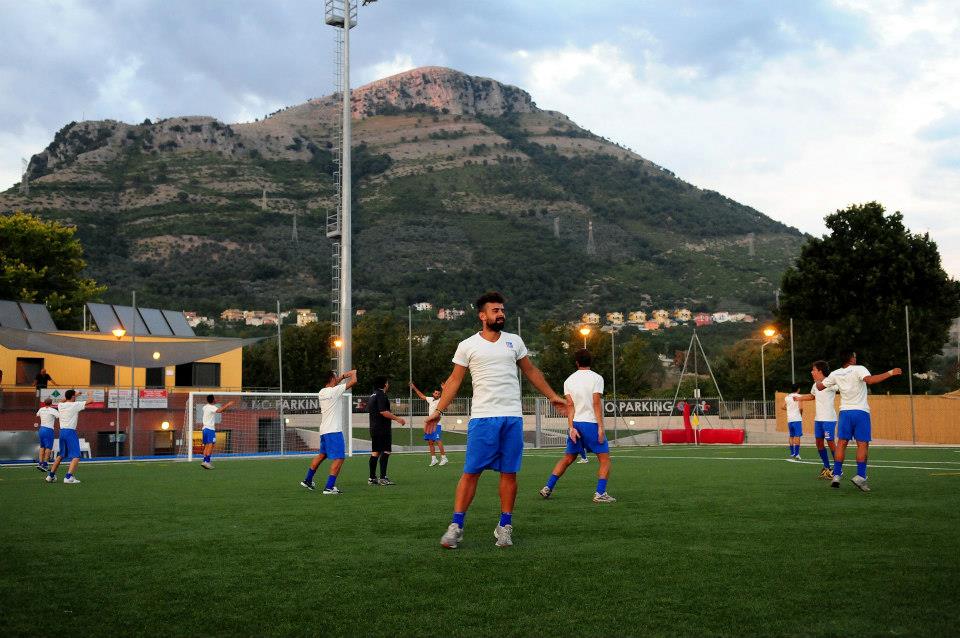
column 510, row 344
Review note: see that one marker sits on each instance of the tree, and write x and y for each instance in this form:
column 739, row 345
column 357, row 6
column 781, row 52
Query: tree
column 849, row 289
column 306, row 359
column 42, row 262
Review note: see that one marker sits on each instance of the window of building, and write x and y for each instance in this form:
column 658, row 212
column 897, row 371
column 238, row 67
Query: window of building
column 27, row 369
column 102, row 374
column 155, row 377
column 198, row 375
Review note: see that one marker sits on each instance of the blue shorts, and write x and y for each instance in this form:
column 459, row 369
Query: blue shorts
column 588, row 439
column 332, row 445
column 209, row 436
column 795, row 428
column 824, row 430
column 435, row 436
column 854, row 424
column 46, row 438
column 69, row 445
column 494, row 443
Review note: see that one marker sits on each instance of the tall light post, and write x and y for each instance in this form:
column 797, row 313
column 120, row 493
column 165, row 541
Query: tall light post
column 613, row 359
column 585, row 332
column 770, row 334
column 133, row 347
column 118, row 333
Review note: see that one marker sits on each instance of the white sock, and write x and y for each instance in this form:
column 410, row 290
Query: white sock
column 433, row 457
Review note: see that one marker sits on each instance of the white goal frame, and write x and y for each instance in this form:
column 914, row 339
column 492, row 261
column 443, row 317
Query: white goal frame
column 190, row 414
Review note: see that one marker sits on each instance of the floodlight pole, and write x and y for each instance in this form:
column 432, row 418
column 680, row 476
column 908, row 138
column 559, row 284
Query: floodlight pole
column 346, row 305
column 763, row 380
column 613, row 359
column 283, row 424
column 913, row 420
column 133, row 347
column 410, row 371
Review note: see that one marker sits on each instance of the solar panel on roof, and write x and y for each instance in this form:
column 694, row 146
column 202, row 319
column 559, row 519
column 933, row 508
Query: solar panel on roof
column 104, row 316
column 156, row 324
column 179, row 323
column 11, row 317
column 38, row 317
column 131, row 320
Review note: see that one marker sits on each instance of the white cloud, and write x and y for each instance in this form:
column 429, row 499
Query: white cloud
column 797, row 136
column 398, row 64
column 22, row 143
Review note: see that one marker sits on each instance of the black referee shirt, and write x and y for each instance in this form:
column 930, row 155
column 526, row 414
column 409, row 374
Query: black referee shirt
column 377, row 403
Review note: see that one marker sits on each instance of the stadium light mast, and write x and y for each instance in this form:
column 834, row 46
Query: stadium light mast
column 770, row 335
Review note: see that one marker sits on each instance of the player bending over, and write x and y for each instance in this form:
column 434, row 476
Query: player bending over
column 851, row 381
column 210, row 412
column 794, row 422
column 495, row 430
column 331, row 430
column 825, row 421
column 433, row 438
column 69, row 441
column 584, row 389
column 48, row 418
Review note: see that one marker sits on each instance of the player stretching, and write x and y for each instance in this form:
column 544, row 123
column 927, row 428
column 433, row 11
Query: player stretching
column 854, row 423
column 825, row 421
column 584, row 388
column 69, row 442
column 434, row 437
column 210, row 412
column 794, row 422
column 48, row 417
column 331, row 430
column 495, row 430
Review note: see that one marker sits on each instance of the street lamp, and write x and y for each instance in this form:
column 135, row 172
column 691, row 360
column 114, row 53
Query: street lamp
column 338, row 343
column 771, row 334
column 585, row 331
column 118, row 333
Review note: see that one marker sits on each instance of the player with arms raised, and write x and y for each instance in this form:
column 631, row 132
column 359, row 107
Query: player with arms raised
column 209, row 432
column 435, row 437
column 495, row 430
column 851, row 381
column 331, row 430
column 825, row 421
column 69, row 411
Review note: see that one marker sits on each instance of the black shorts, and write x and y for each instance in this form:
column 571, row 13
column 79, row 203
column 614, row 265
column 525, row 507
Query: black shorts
column 381, row 438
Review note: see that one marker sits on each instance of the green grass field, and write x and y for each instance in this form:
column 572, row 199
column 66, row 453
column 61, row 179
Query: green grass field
column 703, row 541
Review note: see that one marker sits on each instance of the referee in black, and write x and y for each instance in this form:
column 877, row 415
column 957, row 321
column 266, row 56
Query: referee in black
column 381, row 436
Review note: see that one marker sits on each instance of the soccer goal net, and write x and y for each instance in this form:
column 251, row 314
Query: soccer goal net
column 258, row 423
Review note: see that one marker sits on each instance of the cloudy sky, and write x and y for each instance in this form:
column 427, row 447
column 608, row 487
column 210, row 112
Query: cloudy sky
column 795, row 107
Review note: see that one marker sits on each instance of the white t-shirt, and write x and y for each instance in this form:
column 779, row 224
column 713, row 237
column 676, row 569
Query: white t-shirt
column 853, row 391
column 581, row 386
column 493, row 366
column 432, row 405
column 48, row 416
column 69, row 412
column 210, row 416
column 793, row 408
column 331, row 412
column 826, row 410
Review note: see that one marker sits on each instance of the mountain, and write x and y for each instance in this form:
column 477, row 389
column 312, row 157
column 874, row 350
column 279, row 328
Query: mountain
column 461, row 184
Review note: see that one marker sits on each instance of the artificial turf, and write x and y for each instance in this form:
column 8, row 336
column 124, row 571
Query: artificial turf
column 702, row 541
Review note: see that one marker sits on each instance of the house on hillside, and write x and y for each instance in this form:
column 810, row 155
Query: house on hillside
column 636, row 317
column 660, row 315
column 702, row 319
column 720, row 317
column 682, row 314
column 590, row 318
column 616, row 318
column 651, row 325
column 420, row 306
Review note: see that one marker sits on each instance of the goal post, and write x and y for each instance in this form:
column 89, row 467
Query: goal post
column 260, row 424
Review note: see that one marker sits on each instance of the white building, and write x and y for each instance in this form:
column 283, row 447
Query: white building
column 616, row 318
column 590, row 318
column 720, row 317
column 420, row 306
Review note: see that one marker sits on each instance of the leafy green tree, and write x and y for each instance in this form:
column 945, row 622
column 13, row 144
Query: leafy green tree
column 738, row 370
column 306, row 359
column 849, row 289
column 638, row 368
column 42, row 262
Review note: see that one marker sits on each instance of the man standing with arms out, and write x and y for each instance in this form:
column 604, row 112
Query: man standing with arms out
column 69, row 441
column 381, row 436
column 584, row 388
column 794, row 422
column 48, row 417
column 825, row 423
column 209, row 432
column 851, row 381
column 42, row 380
column 331, row 430
column 434, row 437
column 495, row 431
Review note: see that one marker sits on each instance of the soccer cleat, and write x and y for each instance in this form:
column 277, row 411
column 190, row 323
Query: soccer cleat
column 434, row 461
column 861, row 483
column 333, row 490
column 583, row 459
column 309, row 485
column 452, row 537
column 797, row 458
column 372, row 481
column 70, row 480
column 603, row 498
column 42, row 468
column 545, row 492
column 206, row 466
column 386, row 481
column 836, row 480
column 50, row 479
column 504, row 535
column 825, row 474
column 444, row 460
